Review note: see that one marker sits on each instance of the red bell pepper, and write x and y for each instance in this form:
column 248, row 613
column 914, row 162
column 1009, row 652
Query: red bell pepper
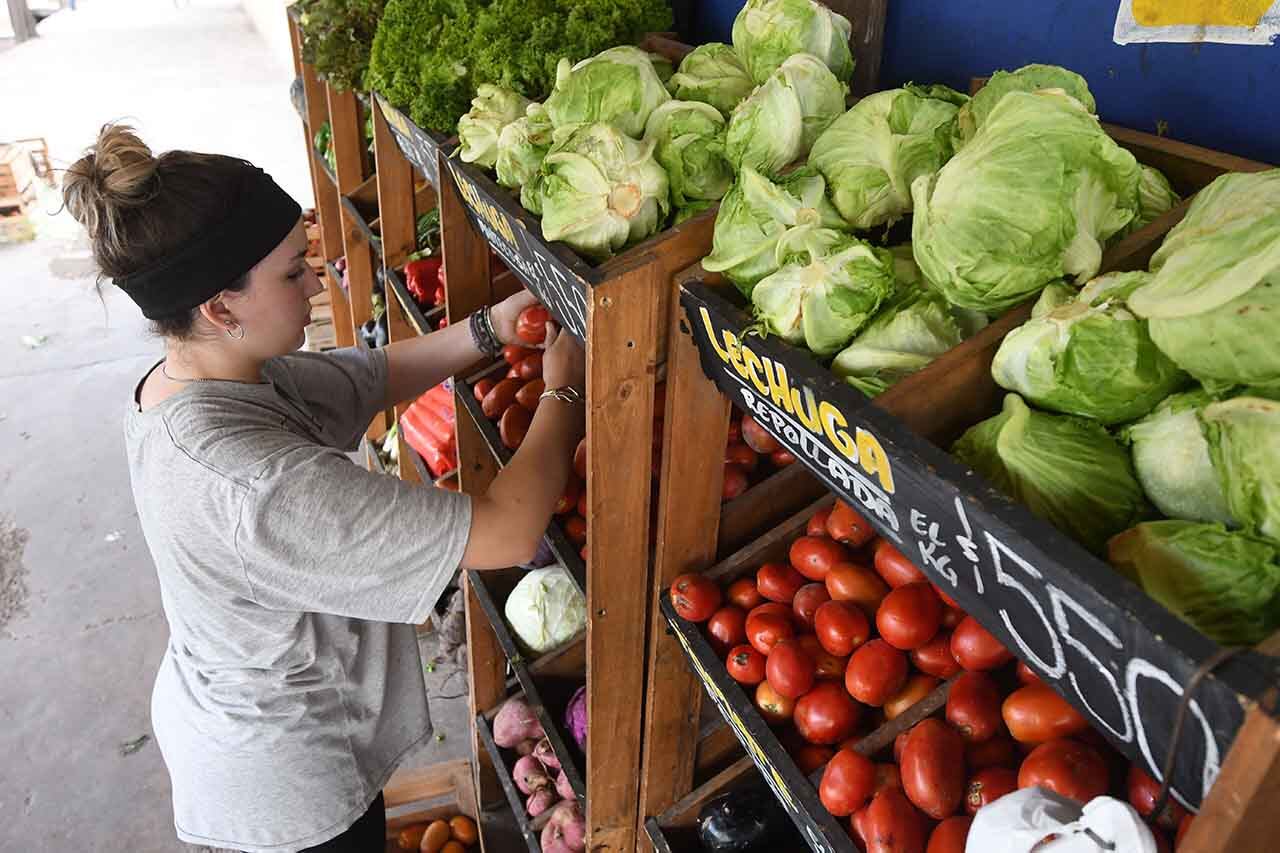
column 418, row 278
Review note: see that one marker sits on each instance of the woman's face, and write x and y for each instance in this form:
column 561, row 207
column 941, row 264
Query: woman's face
column 275, row 308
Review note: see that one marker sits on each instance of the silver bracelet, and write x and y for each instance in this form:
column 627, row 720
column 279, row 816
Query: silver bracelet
column 566, row 394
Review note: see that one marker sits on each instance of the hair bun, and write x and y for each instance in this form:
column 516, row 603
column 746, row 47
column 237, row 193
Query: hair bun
column 117, row 174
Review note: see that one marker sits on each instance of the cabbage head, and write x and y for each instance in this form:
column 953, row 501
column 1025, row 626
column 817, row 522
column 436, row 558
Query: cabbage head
column 1069, row 471
column 713, row 74
column 1213, row 303
column 755, row 213
column 522, row 146
column 913, row 329
column 1155, row 198
column 820, row 94
column 1090, row 357
column 1054, row 295
column 767, row 32
column 546, row 609
column 492, row 109
column 602, row 190
column 1226, row 584
column 781, row 118
column 872, row 154
column 1031, row 199
column 689, row 143
column 618, row 86
column 830, row 285
column 1028, row 78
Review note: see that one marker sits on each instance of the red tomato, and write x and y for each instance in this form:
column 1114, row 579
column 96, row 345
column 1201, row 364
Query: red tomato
column 735, row 483
column 782, row 458
column 1065, row 767
column 575, row 527
column 975, row 648
column 857, row 585
column 773, row 706
column 947, row 600
column 846, row 525
column 817, row 525
column 530, row 367
column 568, row 501
column 899, row 743
column 999, row 751
column 877, row 671
column 1026, row 675
column 742, row 456
column 893, row 825
column 813, row 556
column 888, row 776
column 482, row 389
column 789, row 670
column 756, row 437
column 847, row 783
column 808, row 599
column 1162, row 842
column 728, row 628
column 1143, row 791
column 826, row 665
column 745, row 665
column 531, row 325
column 909, row 616
column 765, row 629
column 1035, row 714
column 973, row 707
column 950, row 836
column 513, row 354
column 933, row 768
column 934, row 657
column 896, row 569
column 695, row 597
column 841, row 627
column 743, row 593
column 951, row 617
column 917, row 687
column 987, row 786
column 778, row 582
column 1183, row 828
column 825, row 714
column 811, row 756
column 735, row 430
column 859, row 826
column 582, row 502
column 580, row 459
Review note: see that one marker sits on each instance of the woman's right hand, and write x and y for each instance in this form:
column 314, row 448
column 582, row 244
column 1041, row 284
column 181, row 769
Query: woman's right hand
column 564, row 362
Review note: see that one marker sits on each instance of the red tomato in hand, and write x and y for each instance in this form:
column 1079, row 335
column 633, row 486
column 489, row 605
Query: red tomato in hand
column 813, row 556
column 841, row 627
column 975, row 648
column 917, row 687
column 772, row 705
column 1035, row 714
column 808, row 599
column 741, row 455
column 999, row 751
column 896, row 569
column 735, row 483
column 756, row 437
column 934, row 657
column 779, row 582
column 789, row 670
column 817, row 525
column 933, row 768
column 847, row 783
column 825, row 714
column 973, row 707
column 826, row 665
column 988, row 785
column 531, row 325
column 765, row 628
column 745, row 665
column 728, row 628
column 893, row 825
column 877, row 671
column 695, row 597
column 857, row 585
column 909, row 616
column 950, row 836
column 743, row 593
column 846, row 525
column 1065, row 767
column 1143, row 791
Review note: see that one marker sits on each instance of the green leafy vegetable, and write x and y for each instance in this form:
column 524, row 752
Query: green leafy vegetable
column 522, row 146
column 1028, row 78
column 872, row 154
column 1069, row 471
column 1225, row 584
column 767, row 32
column 780, row 119
column 689, row 140
column 1029, row 200
column 337, row 36
column 713, row 74
column 618, row 86
column 1155, row 198
column 492, row 109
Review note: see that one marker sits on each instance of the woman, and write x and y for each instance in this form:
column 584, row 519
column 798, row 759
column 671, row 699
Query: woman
column 291, row 578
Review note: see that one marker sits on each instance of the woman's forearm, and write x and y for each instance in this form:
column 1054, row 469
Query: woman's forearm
column 417, row 365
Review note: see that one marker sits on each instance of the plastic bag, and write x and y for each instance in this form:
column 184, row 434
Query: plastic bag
column 1019, row 822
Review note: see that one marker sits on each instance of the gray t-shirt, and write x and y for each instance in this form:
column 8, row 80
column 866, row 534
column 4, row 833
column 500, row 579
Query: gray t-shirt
column 291, row 579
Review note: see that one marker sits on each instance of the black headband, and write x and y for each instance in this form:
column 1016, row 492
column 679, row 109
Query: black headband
column 260, row 218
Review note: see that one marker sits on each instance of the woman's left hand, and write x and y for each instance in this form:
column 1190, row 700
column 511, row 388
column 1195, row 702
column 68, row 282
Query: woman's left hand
column 504, row 316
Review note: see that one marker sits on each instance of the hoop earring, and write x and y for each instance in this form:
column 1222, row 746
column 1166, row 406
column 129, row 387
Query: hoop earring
column 234, row 336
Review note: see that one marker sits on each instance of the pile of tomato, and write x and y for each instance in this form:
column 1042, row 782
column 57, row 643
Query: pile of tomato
column 848, row 634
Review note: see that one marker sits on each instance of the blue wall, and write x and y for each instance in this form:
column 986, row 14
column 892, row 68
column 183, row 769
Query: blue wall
column 1222, row 96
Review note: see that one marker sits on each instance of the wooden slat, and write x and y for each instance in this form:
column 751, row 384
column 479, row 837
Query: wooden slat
column 866, row 41
column 423, row 783
column 695, row 430
column 623, row 322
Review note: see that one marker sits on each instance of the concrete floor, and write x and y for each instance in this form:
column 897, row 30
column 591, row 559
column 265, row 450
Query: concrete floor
column 81, row 628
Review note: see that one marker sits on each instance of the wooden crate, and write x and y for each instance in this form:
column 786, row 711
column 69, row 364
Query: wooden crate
column 17, row 173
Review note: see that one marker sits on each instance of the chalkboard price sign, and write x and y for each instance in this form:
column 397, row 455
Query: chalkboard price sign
column 1106, row 647
column 418, row 146
column 518, row 241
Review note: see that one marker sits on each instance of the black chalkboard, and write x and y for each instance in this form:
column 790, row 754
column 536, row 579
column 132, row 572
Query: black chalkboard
column 1106, row 646
column 419, row 146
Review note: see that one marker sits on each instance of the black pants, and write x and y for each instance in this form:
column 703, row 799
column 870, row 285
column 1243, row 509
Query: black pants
column 366, row 835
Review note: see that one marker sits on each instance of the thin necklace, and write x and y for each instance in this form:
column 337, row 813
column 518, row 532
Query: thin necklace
column 174, row 378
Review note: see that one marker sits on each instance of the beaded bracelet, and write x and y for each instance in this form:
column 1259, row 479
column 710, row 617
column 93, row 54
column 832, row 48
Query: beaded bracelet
column 482, row 333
